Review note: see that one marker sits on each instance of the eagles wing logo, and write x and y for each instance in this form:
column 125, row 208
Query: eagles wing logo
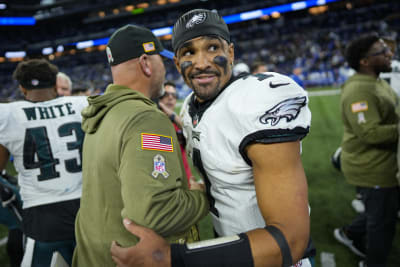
column 196, row 19
column 288, row 109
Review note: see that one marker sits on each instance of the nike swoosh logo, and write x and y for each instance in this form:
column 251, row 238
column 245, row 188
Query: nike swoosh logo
column 275, row 85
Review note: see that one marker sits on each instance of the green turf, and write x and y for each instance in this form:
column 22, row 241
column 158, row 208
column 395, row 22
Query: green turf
column 329, row 194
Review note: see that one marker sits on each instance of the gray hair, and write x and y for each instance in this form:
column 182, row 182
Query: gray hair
column 65, row 76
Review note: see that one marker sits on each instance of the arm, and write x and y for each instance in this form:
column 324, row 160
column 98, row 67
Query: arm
column 166, row 204
column 4, row 156
column 281, row 189
column 369, row 123
column 175, row 118
column 282, row 196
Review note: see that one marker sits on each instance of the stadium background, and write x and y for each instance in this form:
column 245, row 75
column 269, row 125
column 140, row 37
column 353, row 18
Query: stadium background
column 311, row 38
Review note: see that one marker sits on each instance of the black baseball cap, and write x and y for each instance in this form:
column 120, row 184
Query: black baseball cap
column 198, row 22
column 131, row 41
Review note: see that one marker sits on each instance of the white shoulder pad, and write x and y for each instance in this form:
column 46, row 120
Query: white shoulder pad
column 267, row 101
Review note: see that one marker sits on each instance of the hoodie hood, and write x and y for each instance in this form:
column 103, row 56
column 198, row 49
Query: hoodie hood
column 99, row 105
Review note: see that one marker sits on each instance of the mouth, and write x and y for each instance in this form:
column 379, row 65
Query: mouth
column 204, row 78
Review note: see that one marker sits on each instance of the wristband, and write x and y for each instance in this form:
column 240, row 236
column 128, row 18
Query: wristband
column 172, row 117
column 282, row 243
column 233, row 251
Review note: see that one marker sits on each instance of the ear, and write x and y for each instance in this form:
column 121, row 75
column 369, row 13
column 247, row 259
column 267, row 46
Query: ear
column 23, row 90
column 364, row 62
column 231, row 53
column 177, row 65
column 145, row 65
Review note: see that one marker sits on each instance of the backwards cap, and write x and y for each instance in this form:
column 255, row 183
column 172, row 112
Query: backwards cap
column 198, row 22
column 36, row 74
column 131, row 42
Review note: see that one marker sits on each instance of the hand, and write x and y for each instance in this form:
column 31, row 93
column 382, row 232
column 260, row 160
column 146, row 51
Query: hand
column 152, row 249
column 194, row 185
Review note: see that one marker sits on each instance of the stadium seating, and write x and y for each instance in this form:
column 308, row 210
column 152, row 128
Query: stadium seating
column 312, row 42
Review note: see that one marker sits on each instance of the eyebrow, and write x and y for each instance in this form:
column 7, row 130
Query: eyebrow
column 207, row 37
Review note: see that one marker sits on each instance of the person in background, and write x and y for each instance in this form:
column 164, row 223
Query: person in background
column 244, row 137
column 297, row 76
column 64, row 84
column 167, row 103
column 240, row 69
column 393, row 77
column 10, row 216
column 368, row 158
column 258, row 67
column 132, row 164
column 43, row 134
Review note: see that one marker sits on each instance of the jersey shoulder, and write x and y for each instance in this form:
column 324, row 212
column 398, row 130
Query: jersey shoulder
column 266, row 101
column 264, row 91
column 7, row 112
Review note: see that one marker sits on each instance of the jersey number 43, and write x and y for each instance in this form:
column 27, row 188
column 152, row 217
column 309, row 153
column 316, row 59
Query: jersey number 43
column 38, row 154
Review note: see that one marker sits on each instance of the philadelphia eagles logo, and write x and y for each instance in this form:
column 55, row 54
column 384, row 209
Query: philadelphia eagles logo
column 288, row 109
column 196, row 19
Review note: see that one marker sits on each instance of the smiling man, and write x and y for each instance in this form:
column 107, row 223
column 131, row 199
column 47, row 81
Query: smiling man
column 243, row 135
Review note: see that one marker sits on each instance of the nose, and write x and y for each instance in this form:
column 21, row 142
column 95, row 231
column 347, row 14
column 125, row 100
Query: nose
column 201, row 60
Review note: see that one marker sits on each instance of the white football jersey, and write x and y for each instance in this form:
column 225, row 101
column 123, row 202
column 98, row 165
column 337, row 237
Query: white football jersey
column 266, row 108
column 45, row 139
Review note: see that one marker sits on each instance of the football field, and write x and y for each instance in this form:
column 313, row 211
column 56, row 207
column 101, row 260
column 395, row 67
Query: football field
column 329, row 194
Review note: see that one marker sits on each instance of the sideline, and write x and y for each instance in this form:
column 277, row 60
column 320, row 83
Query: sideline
column 312, row 93
column 327, row 259
column 324, row 92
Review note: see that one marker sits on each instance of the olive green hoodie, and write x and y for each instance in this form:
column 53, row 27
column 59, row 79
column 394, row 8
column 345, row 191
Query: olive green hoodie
column 125, row 177
column 370, row 132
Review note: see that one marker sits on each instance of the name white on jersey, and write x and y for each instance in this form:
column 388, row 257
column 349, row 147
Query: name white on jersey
column 45, row 139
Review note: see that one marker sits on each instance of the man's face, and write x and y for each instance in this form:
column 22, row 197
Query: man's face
column 169, row 98
column 379, row 57
column 63, row 87
column 205, row 64
column 158, row 76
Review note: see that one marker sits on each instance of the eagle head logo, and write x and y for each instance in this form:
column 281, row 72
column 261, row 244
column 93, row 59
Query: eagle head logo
column 196, row 19
column 288, row 109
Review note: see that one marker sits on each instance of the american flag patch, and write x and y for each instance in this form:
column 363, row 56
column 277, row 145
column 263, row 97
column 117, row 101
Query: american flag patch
column 148, row 47
column 157, row 142
column 359, row 106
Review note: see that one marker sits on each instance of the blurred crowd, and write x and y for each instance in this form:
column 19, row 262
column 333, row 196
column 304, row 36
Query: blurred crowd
column 311, row 45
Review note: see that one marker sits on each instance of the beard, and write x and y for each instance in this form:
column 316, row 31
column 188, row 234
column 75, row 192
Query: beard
column 207, row 91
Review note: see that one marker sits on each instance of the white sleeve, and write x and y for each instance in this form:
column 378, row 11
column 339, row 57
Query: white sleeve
column 7, row 132
column 269, row 108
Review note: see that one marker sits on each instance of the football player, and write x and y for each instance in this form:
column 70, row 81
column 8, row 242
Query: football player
column 44, row 135
column 10, row 216
column 244, row 136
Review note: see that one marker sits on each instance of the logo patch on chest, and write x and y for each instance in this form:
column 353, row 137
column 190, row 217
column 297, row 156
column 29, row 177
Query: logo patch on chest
column 196, row 135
